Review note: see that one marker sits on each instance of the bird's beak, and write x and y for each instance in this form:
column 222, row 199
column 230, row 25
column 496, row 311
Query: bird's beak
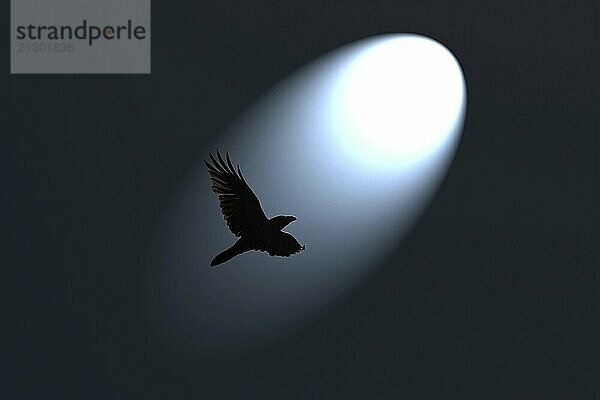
column 303, row 247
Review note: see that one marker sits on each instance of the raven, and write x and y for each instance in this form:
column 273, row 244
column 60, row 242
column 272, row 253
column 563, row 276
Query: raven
column 245, row 217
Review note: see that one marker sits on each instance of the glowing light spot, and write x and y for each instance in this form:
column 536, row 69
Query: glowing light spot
column 354, row 144
column 398, row 101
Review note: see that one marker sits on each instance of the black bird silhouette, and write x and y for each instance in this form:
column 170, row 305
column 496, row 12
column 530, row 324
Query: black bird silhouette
column 245, row 217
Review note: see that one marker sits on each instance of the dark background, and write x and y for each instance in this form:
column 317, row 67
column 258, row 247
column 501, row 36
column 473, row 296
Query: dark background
column 492, row 296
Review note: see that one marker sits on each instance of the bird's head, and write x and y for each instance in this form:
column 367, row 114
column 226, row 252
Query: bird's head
column 281, row 221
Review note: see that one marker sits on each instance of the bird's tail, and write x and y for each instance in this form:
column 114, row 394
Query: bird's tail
column 226, row 255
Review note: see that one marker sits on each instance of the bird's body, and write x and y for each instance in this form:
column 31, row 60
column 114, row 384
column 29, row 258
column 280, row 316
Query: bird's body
column 245, row 217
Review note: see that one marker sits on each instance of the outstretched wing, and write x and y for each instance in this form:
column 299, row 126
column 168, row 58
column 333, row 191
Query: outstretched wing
column 239, row 205
column 284, row 245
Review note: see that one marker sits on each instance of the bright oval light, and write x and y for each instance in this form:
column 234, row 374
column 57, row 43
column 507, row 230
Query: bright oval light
column 398, row 101
column 355, row 145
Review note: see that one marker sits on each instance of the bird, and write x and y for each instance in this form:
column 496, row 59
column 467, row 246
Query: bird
column 245, row 217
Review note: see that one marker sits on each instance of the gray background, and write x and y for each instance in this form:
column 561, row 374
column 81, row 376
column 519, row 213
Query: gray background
column 492, row 296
